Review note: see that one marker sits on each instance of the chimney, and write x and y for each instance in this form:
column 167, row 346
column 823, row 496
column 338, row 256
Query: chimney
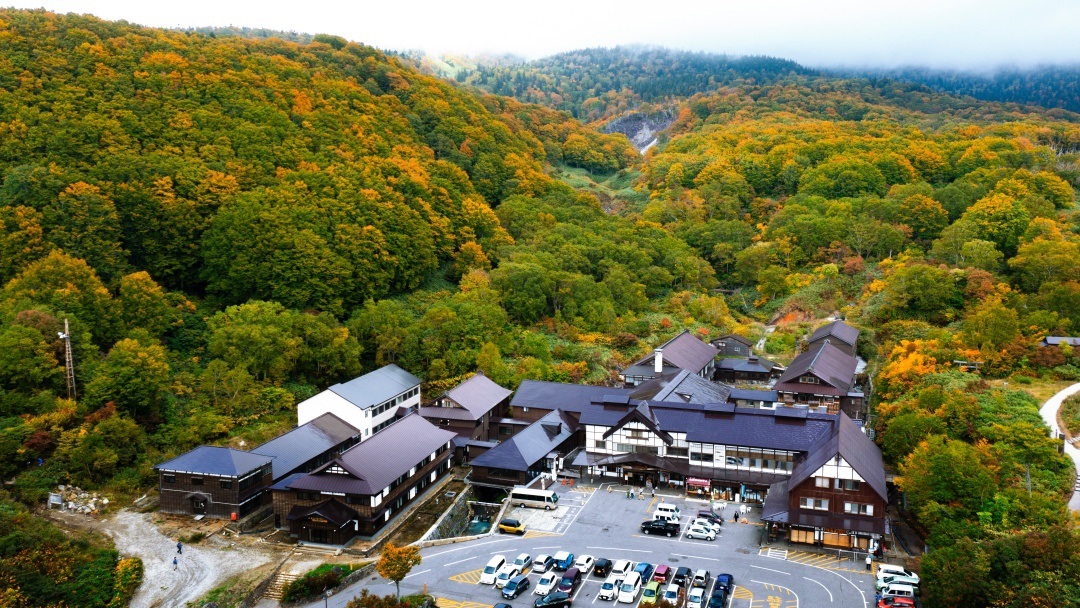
column 658, row 361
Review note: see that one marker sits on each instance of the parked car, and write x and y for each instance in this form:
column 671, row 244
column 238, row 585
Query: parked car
column 725, row 581
column 675, row 595
column 610, row 587
column 711, row 516
column 897, row 579
column 701, row 579
column 660, row 526
column 622, row 567
column 506, row 573
column 491, row 570
column 704, row 523
column 602, row 567
column 584, row 563
column 557, row 599
column 682, row 575
column 547, row 583
column 644, row 570
column 718, row 599
column 650, row 593
column 563, row 560
column 898, row 590
column 569, row 580
column 630, row 588
column 896, row 602
column 508, row 525
column 516, row 587
column 669, row 509
column 543, row 563
column 696, row 598
column 502, row 605
column 662, row 574
column 523, row 561
column 884, row 570
column 700, row 532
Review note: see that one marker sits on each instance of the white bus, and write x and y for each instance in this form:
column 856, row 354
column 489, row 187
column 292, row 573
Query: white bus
column 540, row 499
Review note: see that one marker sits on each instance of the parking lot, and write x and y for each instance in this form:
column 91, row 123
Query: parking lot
column 606, row 525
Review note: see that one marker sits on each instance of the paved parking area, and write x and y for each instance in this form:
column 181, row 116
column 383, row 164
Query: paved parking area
column 606, row 524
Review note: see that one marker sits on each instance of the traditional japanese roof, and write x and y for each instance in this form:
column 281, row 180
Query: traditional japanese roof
column 682, row 386
column 376, row 387
column 533, row 443
column 305, row 442
column 566, row 397
column 849, row 442
column 743, row 394
column 332, row 510
column 372, row 465
column 642, row 414
column 446, row 413
column 735, row 338
column 825, row 361
column 684, row 351
column 211, row 460
column 753, row 364
column 1059, row 340
column 478, row 395
column 837, row 330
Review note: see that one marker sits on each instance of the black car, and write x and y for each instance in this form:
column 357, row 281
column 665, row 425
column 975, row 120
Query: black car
column 601, row 567
column 553, row 600
column 682, row 576
column 725, row 581
column 711, row 516
column 515, row 586
column 659, row 526
column 718, row 599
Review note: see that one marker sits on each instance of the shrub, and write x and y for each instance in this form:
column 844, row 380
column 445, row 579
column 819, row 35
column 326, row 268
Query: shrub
column 326, row 576
column 1070, row 414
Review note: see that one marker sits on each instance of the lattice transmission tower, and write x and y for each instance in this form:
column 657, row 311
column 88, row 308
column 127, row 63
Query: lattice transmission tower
column 69, row 363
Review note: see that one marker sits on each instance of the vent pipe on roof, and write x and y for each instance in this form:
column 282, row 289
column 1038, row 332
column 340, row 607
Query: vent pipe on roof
column 658, row 361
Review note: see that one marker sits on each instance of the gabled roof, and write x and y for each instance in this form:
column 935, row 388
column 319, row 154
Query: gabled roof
column 478, row 395
column 735, row 338
column 533, row 443
column 825, row 361
column 643, row 415
column 557, row 395
column 682, row 386
column 836, row 330
column 373, row 464
column 211, row 460
column 331, row 510
column 376, row 387
column 305, row 442
column 747, row 364
column 446, row 413
column 1059, row 340
column 685, row 351
column 851, row 444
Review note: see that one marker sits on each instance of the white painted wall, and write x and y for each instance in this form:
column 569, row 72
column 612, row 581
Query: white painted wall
column 330, row 402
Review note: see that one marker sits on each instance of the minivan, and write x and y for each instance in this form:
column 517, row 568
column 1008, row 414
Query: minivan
column 884, row 570
column 887, row 580
column 629, row 589
column 491, row 570
column 898, row 590
column 668, row 509
column 661, row 574
column 569, row 580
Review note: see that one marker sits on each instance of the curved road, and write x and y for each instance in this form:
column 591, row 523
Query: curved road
column 1049, row 412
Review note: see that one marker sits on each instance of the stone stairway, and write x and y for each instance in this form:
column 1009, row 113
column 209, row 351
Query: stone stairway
column 278, row 584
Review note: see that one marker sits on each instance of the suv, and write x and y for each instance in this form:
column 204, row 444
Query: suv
column 644, row 570
column 682, row 575
column 701, row 579
column 660, row 526
column 563, row 560
column 569, row 580
column 711, row 516
column 725, row 581
column 553, row 600
column 511, row 526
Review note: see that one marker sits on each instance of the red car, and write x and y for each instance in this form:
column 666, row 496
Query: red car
column 896, row 602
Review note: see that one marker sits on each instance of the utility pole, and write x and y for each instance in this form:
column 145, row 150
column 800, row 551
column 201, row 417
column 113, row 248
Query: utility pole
column 1027, row 473
column 69, row 364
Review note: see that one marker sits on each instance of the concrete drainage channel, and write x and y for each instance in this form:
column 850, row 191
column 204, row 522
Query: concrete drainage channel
column 457, row 519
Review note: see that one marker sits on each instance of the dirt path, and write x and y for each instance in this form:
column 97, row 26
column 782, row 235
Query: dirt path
column 199, row 569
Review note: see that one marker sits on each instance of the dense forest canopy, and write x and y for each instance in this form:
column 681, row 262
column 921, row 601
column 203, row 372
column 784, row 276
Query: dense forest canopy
column 232, row 223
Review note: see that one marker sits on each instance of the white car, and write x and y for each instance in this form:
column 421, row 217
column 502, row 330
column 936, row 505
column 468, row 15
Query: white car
column 700, row 532
column 506, row 573
column 584, row 563
column 610, row 587
column 542, row 563
column 487, row 577
column 523, row 561
column 704, row 523
column 674, row 594
column 547, row 583
column 696, row 598
column 622, row 567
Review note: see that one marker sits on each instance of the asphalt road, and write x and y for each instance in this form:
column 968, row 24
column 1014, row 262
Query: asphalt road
column 605, row 524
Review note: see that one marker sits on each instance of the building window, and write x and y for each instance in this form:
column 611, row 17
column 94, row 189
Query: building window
column 847, row 484
column 168, row 478
column 504, row 430
column 679, row 452
column 821, row 482
column 699, row 457
column 599, row 444
column 855, row 508
column 808, row 380
column 196, row 481
column 226, row 484
column 817, row 504
column 636, row 434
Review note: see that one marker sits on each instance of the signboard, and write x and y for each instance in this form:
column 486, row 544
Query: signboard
column 695, row 482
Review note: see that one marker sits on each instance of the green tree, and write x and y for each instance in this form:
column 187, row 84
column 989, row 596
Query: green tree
column 256, row 336
column 143, row 305
column 134, row 376
column 27, row 361
column 83, row 222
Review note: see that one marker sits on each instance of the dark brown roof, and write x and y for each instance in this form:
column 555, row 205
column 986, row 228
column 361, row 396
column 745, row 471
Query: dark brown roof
column 332, row 510
column 530, row 445
column 376, row 462
column 479, row 395
column 825, row 361
column 685, row 351
column 849, row 442
column 305, row 442
column 682, row 386
column 838, row 330
column 735, row 337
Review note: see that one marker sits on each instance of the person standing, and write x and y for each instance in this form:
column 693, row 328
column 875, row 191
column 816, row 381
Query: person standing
column 175, row 563
column 869, row 561
column 179, row 548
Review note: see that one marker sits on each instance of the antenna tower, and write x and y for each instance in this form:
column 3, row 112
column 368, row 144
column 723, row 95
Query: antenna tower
column 69, row 364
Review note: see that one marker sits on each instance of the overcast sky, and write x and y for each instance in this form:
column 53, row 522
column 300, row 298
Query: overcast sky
column 939, row 33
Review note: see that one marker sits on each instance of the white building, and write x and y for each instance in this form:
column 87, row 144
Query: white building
column 369, row 402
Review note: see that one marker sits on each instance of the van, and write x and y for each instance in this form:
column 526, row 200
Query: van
column 491, row 570
column 630, row 588
column 898, row 590
column 666, row 516
column 884, row 570
column 569, row 580
column 668, row 509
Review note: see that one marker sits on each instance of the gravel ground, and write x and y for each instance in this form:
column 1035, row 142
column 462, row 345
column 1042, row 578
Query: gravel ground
column 199, row 569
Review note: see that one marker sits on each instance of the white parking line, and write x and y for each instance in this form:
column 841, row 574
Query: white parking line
column 822, row 586
column 770, row 570
column 618, row 549
column 711, row 559
column 461, row 561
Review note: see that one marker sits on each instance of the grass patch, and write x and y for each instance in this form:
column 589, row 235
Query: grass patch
column 195, row 538
column 1039, row 388
column 230, row 593
column 1070, row 415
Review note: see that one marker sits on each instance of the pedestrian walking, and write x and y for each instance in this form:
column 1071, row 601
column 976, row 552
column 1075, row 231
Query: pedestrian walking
column 179, row 548
column 175, row 563
column 869, row 561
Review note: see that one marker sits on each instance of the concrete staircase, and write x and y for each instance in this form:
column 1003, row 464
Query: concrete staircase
column 278, row 584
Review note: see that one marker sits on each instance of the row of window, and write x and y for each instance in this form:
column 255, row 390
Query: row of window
column 382, row 407
column 837, row 484
column 822, row 504
column 224, row 484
